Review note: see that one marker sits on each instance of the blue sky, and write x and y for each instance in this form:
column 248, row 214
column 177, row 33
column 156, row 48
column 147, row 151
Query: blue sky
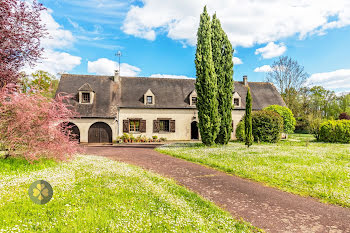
column 157, row 37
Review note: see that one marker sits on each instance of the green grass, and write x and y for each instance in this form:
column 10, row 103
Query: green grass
column 16, row 166
column 298, row 165
column 95, row 194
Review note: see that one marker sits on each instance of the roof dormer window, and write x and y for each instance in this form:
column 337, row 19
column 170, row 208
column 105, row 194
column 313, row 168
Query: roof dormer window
column 85, row 98
column 86, row 94
column 237, row 102
column 193, row 98
column 149, row 98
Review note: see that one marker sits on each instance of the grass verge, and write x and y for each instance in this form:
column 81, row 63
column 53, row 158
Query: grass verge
column 298, row 165
column 95, row 194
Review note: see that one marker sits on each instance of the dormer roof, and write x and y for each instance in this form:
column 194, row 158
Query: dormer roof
column 85, row 87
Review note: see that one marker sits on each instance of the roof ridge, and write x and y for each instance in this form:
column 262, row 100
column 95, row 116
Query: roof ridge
column 86, row 75
column 158, row 78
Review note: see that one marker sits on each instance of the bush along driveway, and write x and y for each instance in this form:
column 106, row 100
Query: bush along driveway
column 267, row 208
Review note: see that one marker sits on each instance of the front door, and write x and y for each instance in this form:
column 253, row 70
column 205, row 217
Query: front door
column 194, row 130
column 100, row 133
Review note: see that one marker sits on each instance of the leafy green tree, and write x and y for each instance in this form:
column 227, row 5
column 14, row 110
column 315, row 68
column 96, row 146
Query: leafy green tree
column 287, row 115
column 222, row 58
column 344, row 103
column 41, row 81
column 248, row 120
column 206, row 83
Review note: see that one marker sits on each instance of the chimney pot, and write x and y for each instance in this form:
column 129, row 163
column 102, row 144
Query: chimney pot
column 245, row 80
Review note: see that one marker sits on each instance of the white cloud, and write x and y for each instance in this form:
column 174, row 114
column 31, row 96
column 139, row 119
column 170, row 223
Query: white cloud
column 53, row 59
column 263, row 69
column 237, row 61
column 169, row 76
column 58, row 37
column 335, row 80
column 104, row 66
column 246, row 22
column 55, row 62
column 271, row 50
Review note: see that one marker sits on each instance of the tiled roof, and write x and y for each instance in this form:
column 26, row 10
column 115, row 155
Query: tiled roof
column 168, row 92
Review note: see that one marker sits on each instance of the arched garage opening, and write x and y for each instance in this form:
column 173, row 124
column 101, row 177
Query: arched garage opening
column 73, row 129
column 100, row 133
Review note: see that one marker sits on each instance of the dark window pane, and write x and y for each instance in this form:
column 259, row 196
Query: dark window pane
column 149, row 100
column 86, row 98
column 194, row 100
column 236, row 101
column 164, row 125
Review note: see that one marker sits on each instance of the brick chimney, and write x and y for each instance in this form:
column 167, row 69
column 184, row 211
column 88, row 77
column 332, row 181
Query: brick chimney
column 245, row 80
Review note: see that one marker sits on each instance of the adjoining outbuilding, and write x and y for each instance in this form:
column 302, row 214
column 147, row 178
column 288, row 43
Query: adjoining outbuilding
column 109, row 106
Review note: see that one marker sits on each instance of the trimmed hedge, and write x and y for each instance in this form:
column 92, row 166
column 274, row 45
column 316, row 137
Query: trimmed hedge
column 287, row 115
column 335, row 131
column 267, row 127
column 240, row 133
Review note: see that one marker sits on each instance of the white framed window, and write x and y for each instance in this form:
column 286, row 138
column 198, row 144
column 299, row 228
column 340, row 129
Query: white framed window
column 194, row 100
column 149, row 98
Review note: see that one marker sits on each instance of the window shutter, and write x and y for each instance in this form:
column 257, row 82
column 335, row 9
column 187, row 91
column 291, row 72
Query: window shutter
column 172, row 126
column 143, row 126
column 125, row 126
column 155, row 126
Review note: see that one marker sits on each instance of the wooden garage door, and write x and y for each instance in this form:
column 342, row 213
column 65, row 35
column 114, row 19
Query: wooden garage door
column 100, row 133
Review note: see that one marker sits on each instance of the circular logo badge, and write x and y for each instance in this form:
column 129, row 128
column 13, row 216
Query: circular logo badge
column 40, row 192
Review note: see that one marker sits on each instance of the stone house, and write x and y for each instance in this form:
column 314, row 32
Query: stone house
column 109, row 106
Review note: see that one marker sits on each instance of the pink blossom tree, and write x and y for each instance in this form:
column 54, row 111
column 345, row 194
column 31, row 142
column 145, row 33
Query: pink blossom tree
column 20, row 33
column 31, row 125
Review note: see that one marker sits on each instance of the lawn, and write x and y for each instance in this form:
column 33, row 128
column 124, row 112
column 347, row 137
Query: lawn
column 298, row 165
column 96, row 194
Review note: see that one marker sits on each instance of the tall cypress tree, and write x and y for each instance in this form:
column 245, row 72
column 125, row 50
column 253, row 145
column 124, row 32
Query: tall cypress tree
column 222, row 58
column 206, row 83
column 248, row 120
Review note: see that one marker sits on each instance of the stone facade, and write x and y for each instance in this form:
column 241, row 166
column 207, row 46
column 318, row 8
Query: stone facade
column 109, row 106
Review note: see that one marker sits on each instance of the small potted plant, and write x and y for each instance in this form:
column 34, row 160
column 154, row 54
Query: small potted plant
column 132, row 138
column 125, row 137
column 154, row 138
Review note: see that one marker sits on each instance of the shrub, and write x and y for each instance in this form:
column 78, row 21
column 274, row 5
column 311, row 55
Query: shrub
column 302, row 125
column 314, row 126
column 240, row 132
column 30, row 125
column 267, row 126
column 335, row 131
column 287, row 115
column 344, row 116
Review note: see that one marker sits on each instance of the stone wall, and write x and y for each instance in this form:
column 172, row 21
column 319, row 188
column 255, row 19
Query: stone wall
column 183, row 119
